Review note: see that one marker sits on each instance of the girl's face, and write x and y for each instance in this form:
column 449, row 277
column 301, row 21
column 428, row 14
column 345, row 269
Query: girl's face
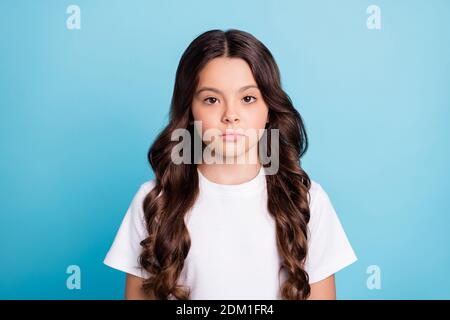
column 227, row 99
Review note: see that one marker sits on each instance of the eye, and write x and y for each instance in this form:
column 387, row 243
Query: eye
column 210, row 100
column 248, row 99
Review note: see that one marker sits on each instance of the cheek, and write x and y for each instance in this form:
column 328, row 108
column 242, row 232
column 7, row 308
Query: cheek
column 207, row 121
column 256, row 122
column 258, row 117
column 202, row 113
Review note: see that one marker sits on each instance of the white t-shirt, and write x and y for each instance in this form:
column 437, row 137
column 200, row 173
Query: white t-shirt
column 233, row 253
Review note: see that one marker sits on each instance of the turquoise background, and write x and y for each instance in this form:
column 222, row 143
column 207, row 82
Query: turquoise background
column 79, row 109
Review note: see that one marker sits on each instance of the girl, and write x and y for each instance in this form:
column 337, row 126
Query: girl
column 235, row 228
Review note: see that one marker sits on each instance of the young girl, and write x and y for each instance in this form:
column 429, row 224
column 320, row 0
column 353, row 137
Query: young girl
column 230, row 229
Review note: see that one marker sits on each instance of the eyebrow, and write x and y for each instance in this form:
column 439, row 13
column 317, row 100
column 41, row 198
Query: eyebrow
column 218, row 91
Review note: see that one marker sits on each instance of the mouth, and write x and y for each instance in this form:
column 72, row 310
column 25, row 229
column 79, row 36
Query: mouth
column 232, row 135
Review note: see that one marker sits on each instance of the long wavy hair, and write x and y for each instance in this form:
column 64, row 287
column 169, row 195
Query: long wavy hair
column 176, row 185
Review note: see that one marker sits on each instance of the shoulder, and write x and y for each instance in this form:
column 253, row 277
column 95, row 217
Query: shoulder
column 329, row 249
column 143, row 189
column 148, row 185
column 125, row 250
column 136, row 207
column 320, row 205
column 317, row 194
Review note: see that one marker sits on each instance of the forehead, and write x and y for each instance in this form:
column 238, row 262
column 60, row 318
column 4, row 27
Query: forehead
column 226, row 73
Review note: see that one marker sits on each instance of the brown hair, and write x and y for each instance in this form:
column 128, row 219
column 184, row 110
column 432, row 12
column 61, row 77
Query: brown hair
column 176, row 188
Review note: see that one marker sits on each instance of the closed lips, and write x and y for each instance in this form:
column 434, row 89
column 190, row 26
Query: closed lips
column 232, row 133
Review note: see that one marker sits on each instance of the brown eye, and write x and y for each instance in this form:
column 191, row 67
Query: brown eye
column 210, row 100
column 248, row 99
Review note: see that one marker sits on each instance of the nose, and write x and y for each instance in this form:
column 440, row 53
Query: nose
column 231, row 118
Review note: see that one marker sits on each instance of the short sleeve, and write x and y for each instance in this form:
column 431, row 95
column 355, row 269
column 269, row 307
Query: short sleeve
column 125, row 250
column 329, row 248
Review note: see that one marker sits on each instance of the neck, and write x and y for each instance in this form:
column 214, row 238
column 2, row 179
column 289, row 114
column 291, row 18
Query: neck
column 236, row 172
column 229, row 173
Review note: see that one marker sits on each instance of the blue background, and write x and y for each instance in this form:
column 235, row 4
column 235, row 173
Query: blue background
column 79, row 109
